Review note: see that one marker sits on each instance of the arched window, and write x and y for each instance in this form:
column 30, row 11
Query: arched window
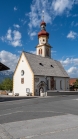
column 40, row 51
column 52, row 83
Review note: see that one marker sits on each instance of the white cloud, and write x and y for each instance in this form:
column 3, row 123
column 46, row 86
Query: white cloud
column 9, row 59
column 53, row 51
column 16, row 26
column 51, row 10
column 73, row 72
column 32, row 34
column 71, row 66
column 33, row 52
column 12, row 38
column 72, row 35
column 35, row 15
column 19, row 52
column 15, row 8
column 59, row 6
column 67, row 61
column 2, row 38
column 8, row 36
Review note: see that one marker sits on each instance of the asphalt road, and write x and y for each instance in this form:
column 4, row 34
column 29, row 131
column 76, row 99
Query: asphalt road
column 41, row 110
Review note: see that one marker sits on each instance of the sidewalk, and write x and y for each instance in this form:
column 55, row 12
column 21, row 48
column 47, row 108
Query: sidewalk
column 4, row 134
column 57, row 127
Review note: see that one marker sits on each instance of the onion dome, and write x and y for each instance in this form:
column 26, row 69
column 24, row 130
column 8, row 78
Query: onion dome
column 43, row 23
column 43, row 30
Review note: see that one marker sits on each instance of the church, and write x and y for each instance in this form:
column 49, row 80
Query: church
column 38, row 73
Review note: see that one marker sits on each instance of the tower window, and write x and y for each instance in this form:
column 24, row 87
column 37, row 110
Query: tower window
column 43, row 40
column 40, row 51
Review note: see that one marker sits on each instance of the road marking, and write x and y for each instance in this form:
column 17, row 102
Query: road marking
column 44, row 111
column 32, row 112
column 11, row 113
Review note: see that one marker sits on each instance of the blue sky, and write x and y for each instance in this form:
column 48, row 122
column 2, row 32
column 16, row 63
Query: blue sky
column 20, row 24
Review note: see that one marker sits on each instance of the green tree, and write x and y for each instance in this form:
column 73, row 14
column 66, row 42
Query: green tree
column 76, row 84
column 7, row 84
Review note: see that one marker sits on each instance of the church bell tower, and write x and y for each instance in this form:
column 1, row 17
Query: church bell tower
column 43, row 48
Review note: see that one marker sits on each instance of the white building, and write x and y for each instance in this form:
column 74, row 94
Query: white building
column 36, row 73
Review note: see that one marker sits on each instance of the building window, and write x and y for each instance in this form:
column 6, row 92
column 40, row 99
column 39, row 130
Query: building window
column 22, row 72
column 48, row 84
column 40, row 51
column 61, row 84
column 52, row 83
column 47, row 52
column 22, row 80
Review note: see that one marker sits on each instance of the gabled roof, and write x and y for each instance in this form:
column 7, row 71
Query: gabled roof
column 3, row 67
column 45, row 66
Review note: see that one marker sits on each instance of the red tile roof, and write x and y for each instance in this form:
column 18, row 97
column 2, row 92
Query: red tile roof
column 43, row 32
column 72, row 81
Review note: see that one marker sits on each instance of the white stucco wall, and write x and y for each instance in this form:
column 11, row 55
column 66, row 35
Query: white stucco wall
column 43, row 50
column 65, row 83
column 28, row 78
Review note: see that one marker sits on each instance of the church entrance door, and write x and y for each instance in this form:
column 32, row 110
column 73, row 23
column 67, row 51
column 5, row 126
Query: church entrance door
column 41, row 90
